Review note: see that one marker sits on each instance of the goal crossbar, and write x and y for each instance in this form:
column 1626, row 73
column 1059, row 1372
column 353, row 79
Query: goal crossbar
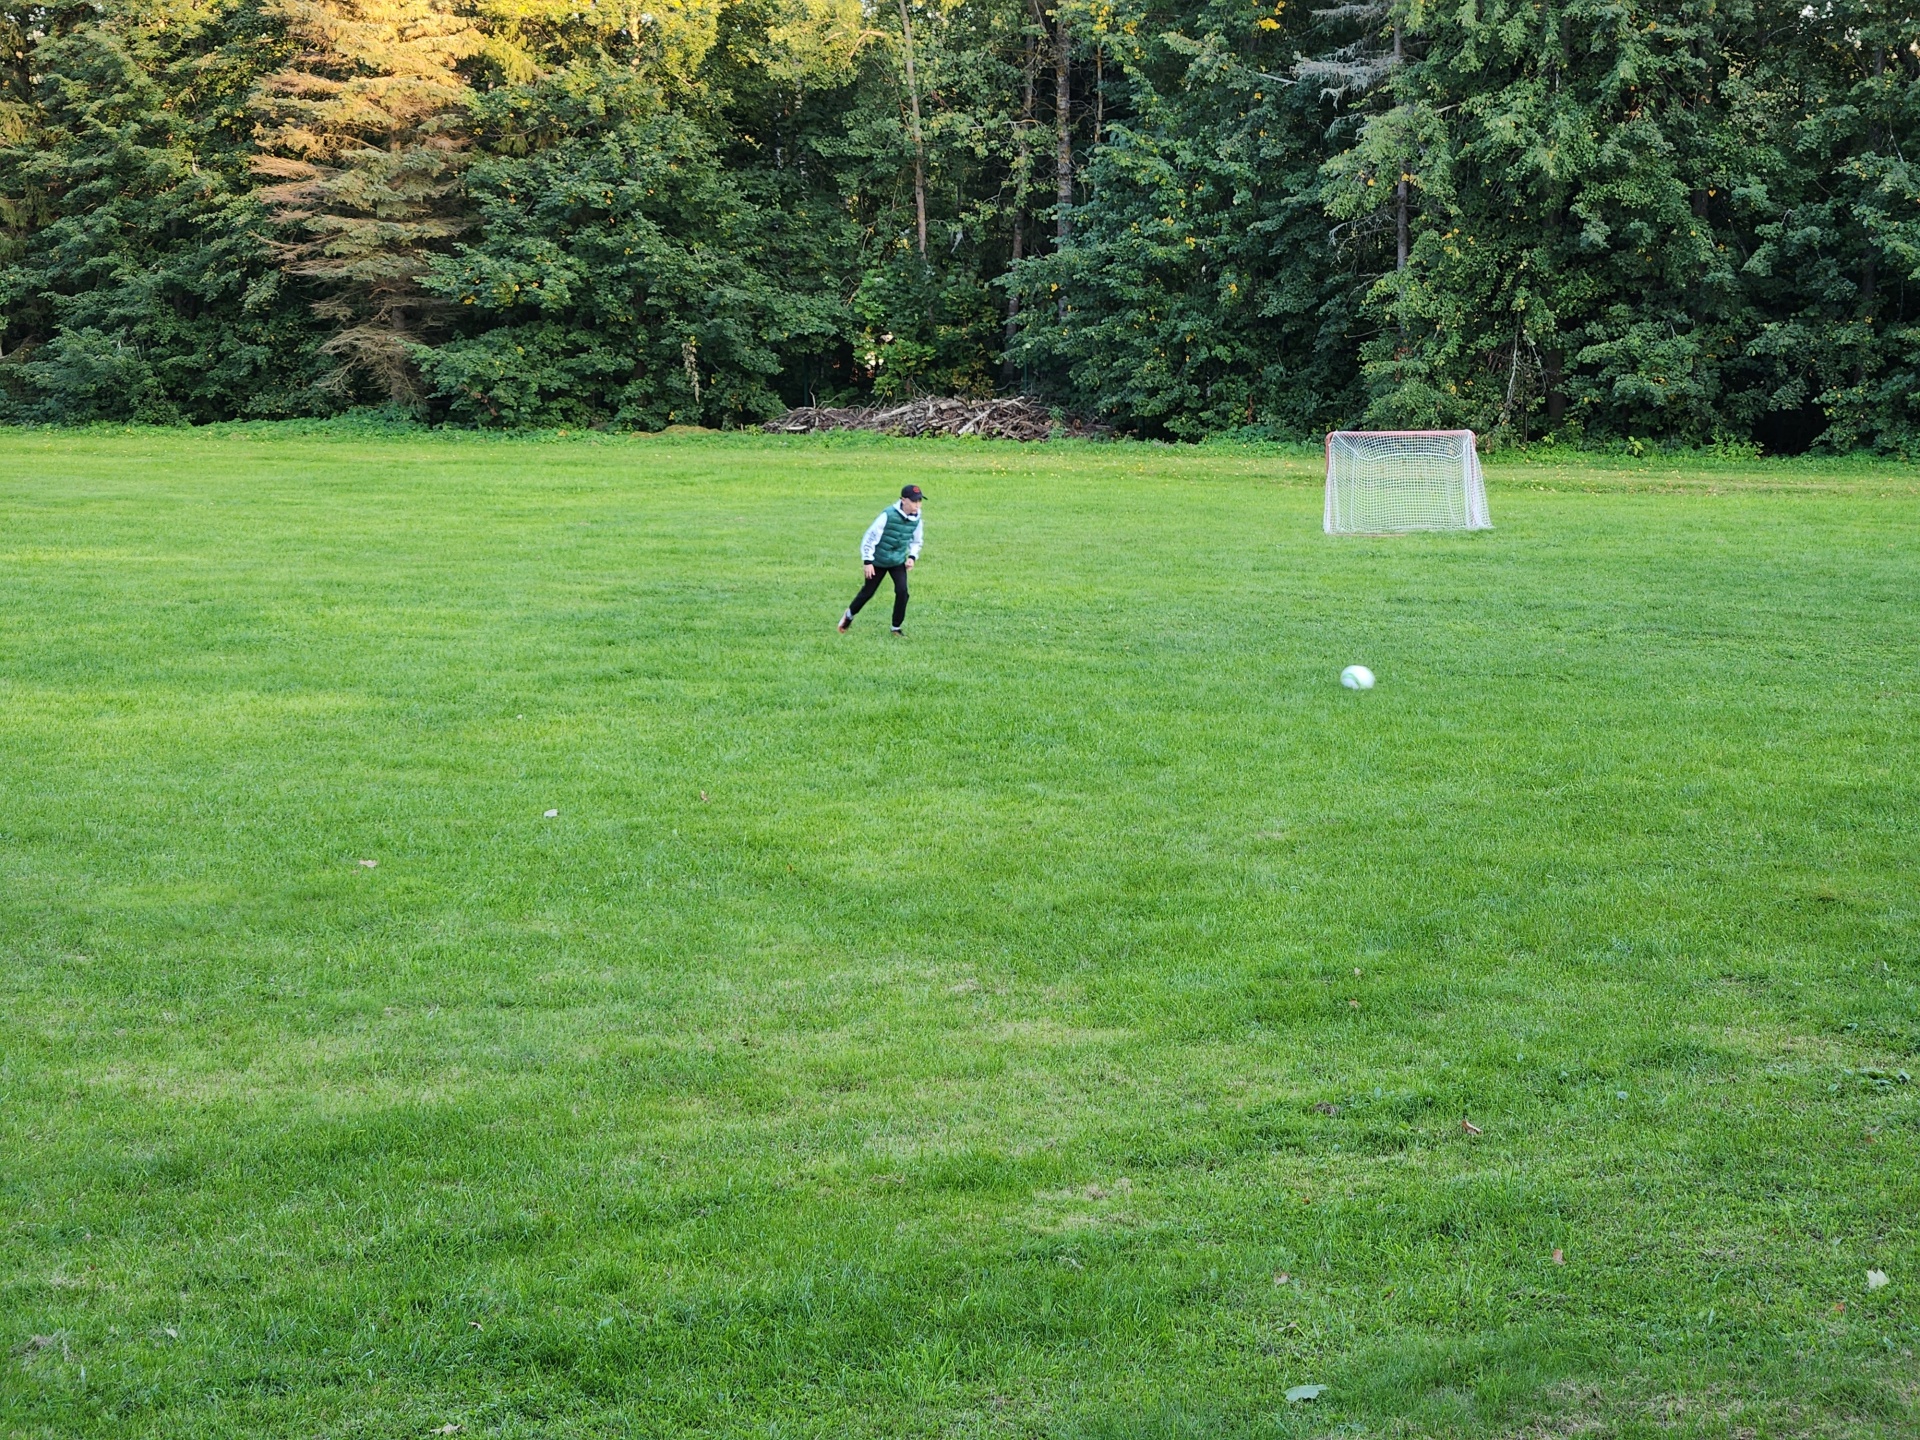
column 1383, row 482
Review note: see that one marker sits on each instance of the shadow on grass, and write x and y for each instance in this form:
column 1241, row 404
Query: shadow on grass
column 1425, row 1387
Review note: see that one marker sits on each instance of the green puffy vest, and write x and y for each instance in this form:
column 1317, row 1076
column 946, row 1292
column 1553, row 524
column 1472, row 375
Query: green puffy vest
column 894, row 540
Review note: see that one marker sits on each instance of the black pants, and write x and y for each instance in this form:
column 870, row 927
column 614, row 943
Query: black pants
column 899, row 574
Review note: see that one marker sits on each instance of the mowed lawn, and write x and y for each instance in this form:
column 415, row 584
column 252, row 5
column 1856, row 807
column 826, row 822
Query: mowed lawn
column 1080, row 1017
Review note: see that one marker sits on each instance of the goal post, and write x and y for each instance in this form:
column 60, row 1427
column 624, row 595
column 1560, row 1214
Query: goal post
column 1384, row 481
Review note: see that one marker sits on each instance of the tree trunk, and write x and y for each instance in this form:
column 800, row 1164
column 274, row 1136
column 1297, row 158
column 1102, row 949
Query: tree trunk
column 1870, row 267
column 1869, row 280
column 1022, row 173
column 919, row 145
column 1400, row 188
column 1063, row 126
column 1551, row 362
column 1099, row 92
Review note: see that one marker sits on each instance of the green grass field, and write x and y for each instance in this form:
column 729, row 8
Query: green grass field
column 958, row 1035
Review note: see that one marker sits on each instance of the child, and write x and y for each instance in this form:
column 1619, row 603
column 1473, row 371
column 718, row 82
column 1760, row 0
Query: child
column 890, row 547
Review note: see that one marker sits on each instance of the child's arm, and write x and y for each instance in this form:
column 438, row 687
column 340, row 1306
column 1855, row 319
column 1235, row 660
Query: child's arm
column 871, row 539
column 919, row 530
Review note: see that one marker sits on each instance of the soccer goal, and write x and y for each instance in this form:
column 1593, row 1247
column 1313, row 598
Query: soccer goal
column 1380, row 481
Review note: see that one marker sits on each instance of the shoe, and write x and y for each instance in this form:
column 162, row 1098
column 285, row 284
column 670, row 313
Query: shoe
column 896, row 629
column 846, row 621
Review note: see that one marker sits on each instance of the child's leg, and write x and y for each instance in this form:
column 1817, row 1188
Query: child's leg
column 899, row 573
column 867, row 587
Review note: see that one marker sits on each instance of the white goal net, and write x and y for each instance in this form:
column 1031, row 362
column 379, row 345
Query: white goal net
column 1380, row 481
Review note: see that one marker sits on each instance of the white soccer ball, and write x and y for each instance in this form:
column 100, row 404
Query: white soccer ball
column 1357, row 677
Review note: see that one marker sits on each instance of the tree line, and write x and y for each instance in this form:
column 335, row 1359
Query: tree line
column 1684, row 220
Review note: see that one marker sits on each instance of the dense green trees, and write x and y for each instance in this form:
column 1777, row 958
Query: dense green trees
column 135, row 275
column 1695, row 220
column 622, row 273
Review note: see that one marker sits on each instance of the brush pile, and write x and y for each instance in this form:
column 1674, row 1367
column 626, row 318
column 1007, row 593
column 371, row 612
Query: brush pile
column 1016, row 418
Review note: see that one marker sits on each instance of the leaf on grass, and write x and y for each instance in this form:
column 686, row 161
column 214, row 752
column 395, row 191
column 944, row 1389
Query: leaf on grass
column 551, row 814
column 449, row 1429
column 1304, row 1392
column 1327, row 1109
column 1281, row 1277
column 369, row 863
column 1876, row 1278
column 703, row 795
column 1559, row 1257
column 1469, row 1127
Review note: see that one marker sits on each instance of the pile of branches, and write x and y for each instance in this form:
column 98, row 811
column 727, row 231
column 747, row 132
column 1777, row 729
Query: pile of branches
column 1016, row 418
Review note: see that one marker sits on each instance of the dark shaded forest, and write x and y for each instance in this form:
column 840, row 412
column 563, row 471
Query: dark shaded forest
column 1686, row 221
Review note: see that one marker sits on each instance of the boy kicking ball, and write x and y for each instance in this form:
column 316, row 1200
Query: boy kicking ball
column 890, row 547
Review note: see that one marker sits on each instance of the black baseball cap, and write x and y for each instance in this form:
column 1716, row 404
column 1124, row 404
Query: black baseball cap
column 911, row 492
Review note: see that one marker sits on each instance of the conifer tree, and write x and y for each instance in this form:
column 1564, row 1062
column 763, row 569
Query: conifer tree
column 360, row 135
column 135, row 282
column 1386, row 134
column 1351, row 75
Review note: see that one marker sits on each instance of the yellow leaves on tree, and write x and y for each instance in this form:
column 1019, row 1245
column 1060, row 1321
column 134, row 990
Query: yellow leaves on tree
column 359, row 134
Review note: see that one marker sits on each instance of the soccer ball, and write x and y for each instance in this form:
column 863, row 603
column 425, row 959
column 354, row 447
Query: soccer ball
column 1357, row 677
